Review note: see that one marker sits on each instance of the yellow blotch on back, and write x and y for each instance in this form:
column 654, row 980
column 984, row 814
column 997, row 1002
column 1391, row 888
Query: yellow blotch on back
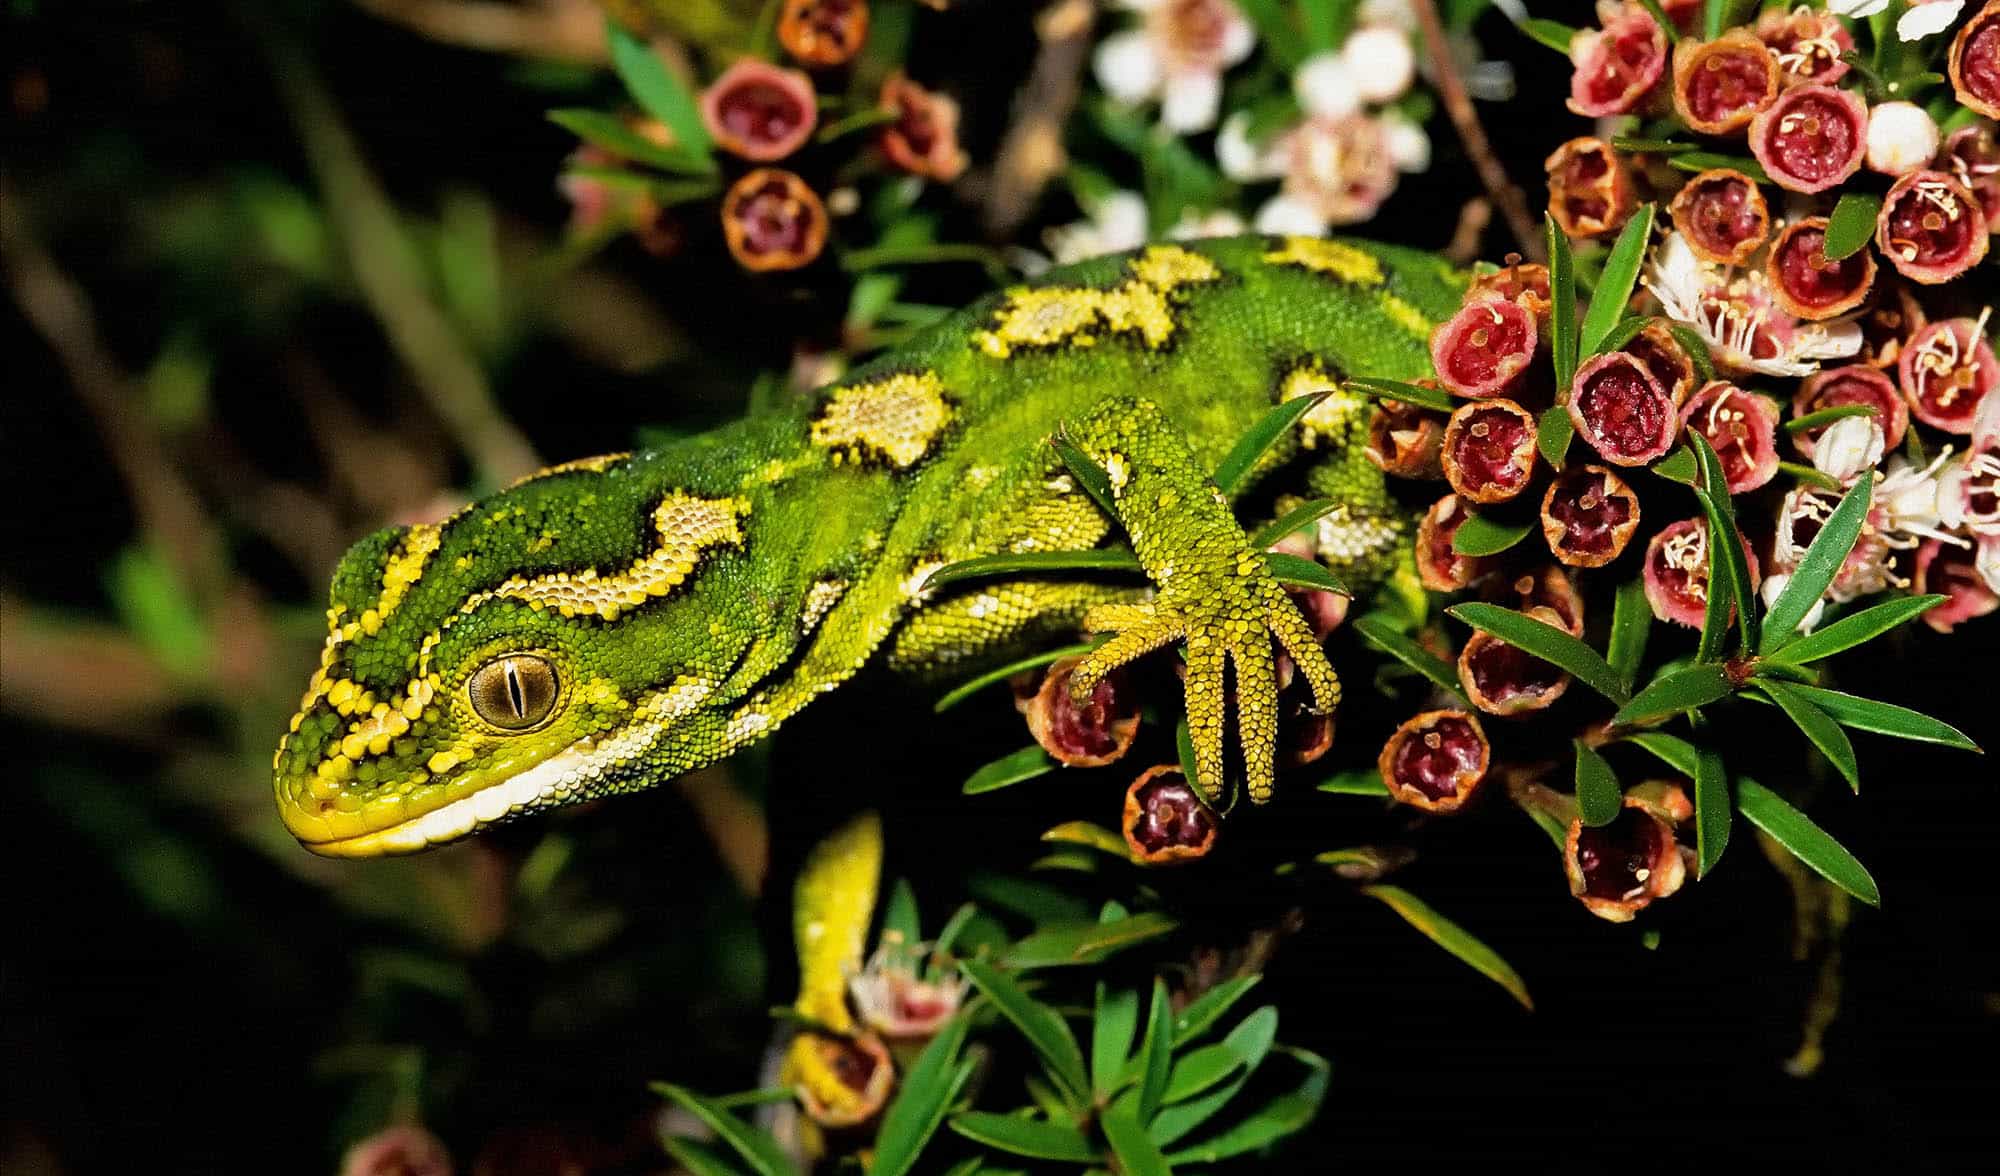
column 1331, row 416
column 1343, row 261
column 593, row 465
column 1142, row 305
column 402, row 570
column 896, row 419
column 686, row 527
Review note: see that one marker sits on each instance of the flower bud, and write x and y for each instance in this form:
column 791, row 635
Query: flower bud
column 1618, row 869
column 1326, row 86
column 1809, row 286
column 1901, row 138
column 1722, row 215
column 1664, row 358
column 1848, row 448
column 1774, row 587
column 1853, row 384
column 1616, row 68
column 1502, row 679
column 924, row 138
column 1439, row 567
column 1720, row 85
column 849, row 1081
column 1381, row 62
column 1096, row 733
column 1405, row 440
column 1483, row 350
column 1547, row 591
column 1590, row 193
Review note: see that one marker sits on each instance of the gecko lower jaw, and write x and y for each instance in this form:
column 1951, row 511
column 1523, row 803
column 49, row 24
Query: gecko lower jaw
column 551, row 782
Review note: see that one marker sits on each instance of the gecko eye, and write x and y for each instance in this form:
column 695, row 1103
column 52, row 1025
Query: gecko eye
column 514, row 692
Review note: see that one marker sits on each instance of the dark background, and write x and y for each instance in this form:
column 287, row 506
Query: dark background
column 181, row 992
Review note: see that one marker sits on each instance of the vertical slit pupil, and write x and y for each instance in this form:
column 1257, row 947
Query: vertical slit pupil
column 516, row 696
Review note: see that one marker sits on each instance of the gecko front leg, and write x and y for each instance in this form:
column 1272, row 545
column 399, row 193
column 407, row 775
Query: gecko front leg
column 1214, row 592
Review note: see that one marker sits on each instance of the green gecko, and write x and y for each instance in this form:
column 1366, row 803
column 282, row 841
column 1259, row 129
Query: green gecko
column 608, row 624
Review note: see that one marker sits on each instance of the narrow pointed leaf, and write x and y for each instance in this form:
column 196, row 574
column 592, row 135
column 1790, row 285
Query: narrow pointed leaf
column 1136, row 1153
column 1286, row 1114
column 1156, row 1053
column 1628, row 329
column 659, row 93
column 1821, row 562
column 1660, row 18
column 1090, row 835
column 1682, row 690
column 1714, row 19
column 1044, row 1028
column 1251, row 1040
column 1818, row 727
column 972, row 686
column 1826, row 416
column 1885, row 718
column 1034, row 1138
column 1631, row 624
column 1205, row 1010
column 1854, row 629
column 1025, row 764
column 1716, row 611
column 1701, row 161
column 1112, row 1023
column 1614, row 287
column 1671, row 750
column 1034, row 563
column 1724, row 537
column 1297, row 519
column 1711, row 810
column 1553, row 433
column 1562, row 303
column 1300, row 572
column 1598, row 797
column 1261, row 436
column 1678, row 466
column 1696, row 348
column 1807, row 841
column 1199, row 1070
column 1435, row 399
column 610, row 132
column 754, row 1145
column 1385, row 637
column 1453, row 938
column 1851, row 225
column 701, row 1157
column 899, row 915
column 1091, row 478
column 923, row 1097
column 1482, row 534
column 1553, row 34
column 1807, row 476
column 1076, row 944
column 1547, row 642
column 1355, row 782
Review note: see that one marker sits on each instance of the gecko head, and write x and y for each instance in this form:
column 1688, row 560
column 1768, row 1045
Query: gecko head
column 568, row 638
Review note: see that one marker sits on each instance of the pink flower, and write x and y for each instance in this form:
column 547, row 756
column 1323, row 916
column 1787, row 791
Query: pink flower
column 1177, row 55
column 403, row 1150
column 760, row 112
column 1618, row 66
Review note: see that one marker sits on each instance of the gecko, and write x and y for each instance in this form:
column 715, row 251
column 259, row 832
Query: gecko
column 610, row 623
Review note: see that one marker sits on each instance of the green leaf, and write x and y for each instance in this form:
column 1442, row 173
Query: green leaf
column 1632, row 145
column 758, row 1149
column 1852, row 224
column 1482, row 534
column 926, row 1092
column 1297, row 519
column 1547, row 642
column 700, row 1157
column 1671, row 750
column 1660, row 18
column 1385, row 637
column 610, row 132
column 1260, row 437
column 1453, row 938
column 1631, row 623
column 1111, row 1026
column 1805, row 840
column 1817, row 568
column 1855, row 628
column 1553, row 433
column 1714, row 497
column 1701, row 161
column 899, row 915
column 1025, row 764
column 1711, row 810
column 1688, row 689
column 1628, row 329
column 1614, row 287
column 1283, row 1115
column 1204, row 1011
column 1156, row 1053
column 157, row 608
column 1818, row 727
column 1721, row 598
column 1184, row 754
column 1299, row 572
column 1044, row 1028
column 1091, row 477
column 1553, row 34
column 1033, row 1138
column 1826, row 416
column 1598, row 797
column 1885, row 718
column 1067, row 945
column 1562, row 303
column 1200, row 1070
column 1435, row 399
column 659, row 93
column 1033, row 563
column 972, row 686
column 1136, row 1153
column 1251, row 1040
column 1807, row 475
column 1696, row 348
column 1092, row 836
column 1355, row 782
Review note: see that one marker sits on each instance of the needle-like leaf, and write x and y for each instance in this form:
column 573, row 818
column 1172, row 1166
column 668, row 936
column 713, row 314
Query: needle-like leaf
column 1547, row 642
column 1808, row 842
column 1818, row 727
column 1614, row 285
column 1261, row 436
column 1821, row 562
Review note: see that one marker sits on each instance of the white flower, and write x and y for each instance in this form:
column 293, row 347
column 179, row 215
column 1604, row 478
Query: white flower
column 1987, row 561
column 1177, row 55
column 1968, row 489
column 1337, row 172
column 1117, row 222
column 1901, row 138
column 1220, row 222
column 1381, row 62
column 1774, row 584
column 1325, row 86
column 894, row 1001
column 1736, row 315
column 1927, row 18
column 1910, row 499
column 1850, row 446
column 1402, row 16
column 1409, row 144
column 1290, row 217
column 1244, row 161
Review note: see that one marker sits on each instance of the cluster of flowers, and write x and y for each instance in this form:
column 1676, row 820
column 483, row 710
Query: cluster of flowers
column 764, row 113
column 1769, row 298
column 1336, row 147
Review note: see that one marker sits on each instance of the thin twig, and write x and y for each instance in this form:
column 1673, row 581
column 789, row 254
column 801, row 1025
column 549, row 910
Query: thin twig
column 1031, row 153
column 563, row 30
column 1505, row 193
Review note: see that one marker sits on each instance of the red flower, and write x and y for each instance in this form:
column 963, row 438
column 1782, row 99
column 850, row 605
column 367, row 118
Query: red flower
column 1088, row 736
column 862, row 1064
column 1489, row 450
column 1742, row 427
column 1811, row 138
column 1501, row 679
column 1951, row 572
column 924, row 138
column 1664, row 357
column 1548, row 592
column 1945, row 370
column 1621, row 410
column 1617, row 67
column 1931, row 228
column 758, row 111
column 1677, row 573
column 1590, row 193
column 1808, row 42
column 1618, row 869
column 1588, row 516
column 773, row 221
column 1722, row 215
column 1805, row 283
column 1972, row 155
column 1975, row 61
column 1436, row 760
column 1166, row 821
column 823, row 32
column 1524, row 282
column 1439, row 567
column 1483, row 350
column 1720, row 85
column 1405, row 440
column 1854, row 384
